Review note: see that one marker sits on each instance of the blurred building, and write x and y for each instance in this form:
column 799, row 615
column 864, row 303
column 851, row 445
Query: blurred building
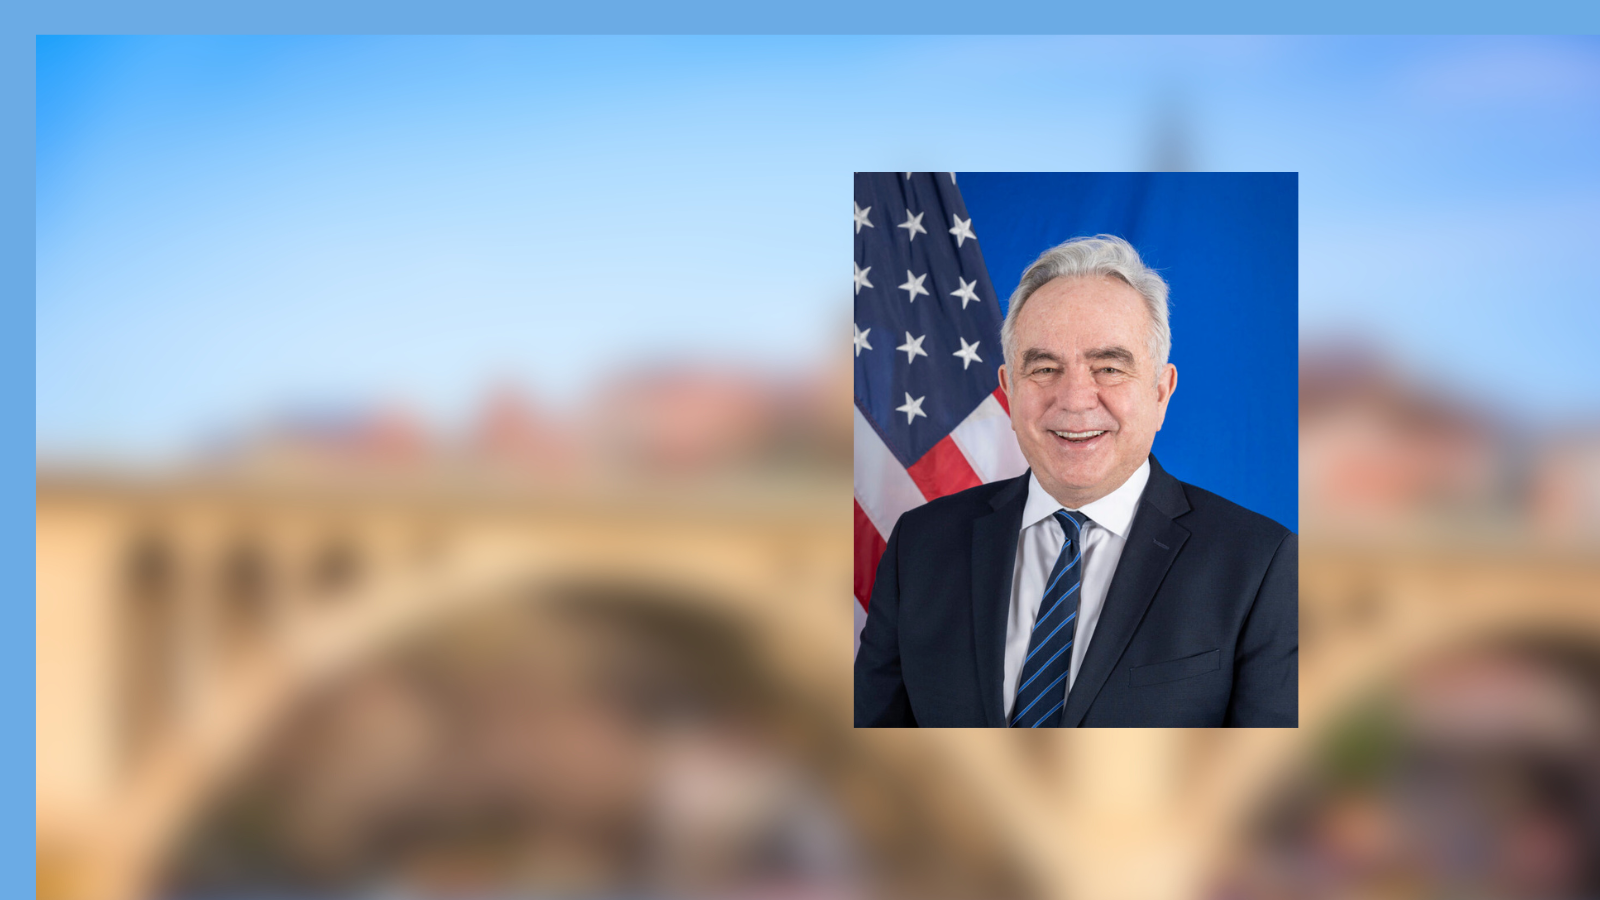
column 678, row 419
column 512, row 433
column 1564, row 493
column 673, row 421
column 1379, row 451
column 388, row 438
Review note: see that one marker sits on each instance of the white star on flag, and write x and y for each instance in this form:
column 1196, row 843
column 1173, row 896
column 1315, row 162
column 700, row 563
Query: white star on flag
column 968, row 354
column 913, row 286
column 861, row 338
column 913, row 347
column 861, row 279
column 963, row 230
column 913, row 224
column 861, row 216
column 913, row 408
column 966, row 293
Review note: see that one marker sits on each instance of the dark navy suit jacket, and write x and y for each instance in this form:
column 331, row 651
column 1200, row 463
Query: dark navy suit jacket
column 1200, row 626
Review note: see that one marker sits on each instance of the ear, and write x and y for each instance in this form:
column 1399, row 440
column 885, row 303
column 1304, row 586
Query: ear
column 1166, row 384
column 1011, row 404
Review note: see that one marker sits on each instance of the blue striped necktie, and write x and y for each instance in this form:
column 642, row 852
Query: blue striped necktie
column 1041, row 688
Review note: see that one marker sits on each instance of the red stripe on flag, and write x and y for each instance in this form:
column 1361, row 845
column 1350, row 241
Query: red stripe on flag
column 1000, row 394
column 943, row 470
column 869, row 549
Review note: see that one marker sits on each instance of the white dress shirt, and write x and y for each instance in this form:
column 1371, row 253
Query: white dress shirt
column 1038, row 545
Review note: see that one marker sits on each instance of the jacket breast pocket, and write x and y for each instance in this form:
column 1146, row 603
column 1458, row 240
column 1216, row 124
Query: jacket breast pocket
column 1175, row 669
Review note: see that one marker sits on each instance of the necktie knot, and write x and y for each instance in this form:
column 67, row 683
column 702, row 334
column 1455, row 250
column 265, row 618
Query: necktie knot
column 1072, row 522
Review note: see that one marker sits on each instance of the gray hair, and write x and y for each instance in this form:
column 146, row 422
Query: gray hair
column 1103, row 254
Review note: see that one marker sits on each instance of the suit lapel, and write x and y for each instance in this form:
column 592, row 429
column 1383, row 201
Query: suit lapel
column 994, row 557
column 1153, row 543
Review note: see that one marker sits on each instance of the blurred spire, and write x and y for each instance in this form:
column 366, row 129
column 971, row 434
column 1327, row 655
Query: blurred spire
column 1172, row 135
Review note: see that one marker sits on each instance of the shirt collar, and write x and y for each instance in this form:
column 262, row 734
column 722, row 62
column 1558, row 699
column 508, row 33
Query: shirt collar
column 1113, row 512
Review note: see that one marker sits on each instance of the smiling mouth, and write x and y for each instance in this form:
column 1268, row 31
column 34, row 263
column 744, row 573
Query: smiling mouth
column 1078, row 437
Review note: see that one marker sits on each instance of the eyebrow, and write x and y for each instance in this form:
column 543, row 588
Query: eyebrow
column 1116, row 354
column 1099, row 354
column 1034, row 354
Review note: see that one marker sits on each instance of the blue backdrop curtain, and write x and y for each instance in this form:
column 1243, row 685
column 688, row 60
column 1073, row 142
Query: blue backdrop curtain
column 1227, row 243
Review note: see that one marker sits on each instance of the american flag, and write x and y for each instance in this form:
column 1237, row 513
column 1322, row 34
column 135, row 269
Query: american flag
column 930, row 418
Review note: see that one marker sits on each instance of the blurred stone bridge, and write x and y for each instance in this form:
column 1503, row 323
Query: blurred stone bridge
column 181, row 619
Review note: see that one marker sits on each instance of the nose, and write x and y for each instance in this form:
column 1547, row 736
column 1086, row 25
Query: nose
column 1076, row 390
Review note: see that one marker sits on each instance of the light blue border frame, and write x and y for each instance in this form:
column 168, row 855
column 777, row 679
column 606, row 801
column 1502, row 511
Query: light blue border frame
column 32, row 17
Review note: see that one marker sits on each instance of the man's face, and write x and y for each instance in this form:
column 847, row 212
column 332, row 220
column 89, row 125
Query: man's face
column 1086, row 399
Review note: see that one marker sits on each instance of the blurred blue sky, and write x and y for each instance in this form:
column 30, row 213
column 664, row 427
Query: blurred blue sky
column 233, row 226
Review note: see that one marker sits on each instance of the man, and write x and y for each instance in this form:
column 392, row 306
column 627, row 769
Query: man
column 1096, row 589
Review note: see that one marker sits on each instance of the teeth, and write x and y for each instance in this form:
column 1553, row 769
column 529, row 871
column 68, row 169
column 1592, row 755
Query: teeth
column 1077, row 435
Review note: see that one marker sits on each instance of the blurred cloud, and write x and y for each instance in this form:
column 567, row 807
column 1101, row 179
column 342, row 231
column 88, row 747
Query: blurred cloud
column 1506, row 72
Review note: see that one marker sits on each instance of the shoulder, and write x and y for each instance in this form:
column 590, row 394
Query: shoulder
column 1197, row 508
column 963, row 506
column 1222, row 516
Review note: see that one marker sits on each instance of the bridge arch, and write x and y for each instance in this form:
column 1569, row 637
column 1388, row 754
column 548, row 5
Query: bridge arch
column 408, row 567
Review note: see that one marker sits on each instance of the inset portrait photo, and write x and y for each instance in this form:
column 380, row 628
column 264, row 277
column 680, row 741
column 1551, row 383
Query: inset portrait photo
column 1075, row 449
